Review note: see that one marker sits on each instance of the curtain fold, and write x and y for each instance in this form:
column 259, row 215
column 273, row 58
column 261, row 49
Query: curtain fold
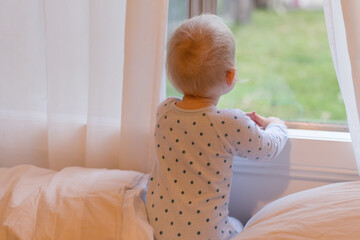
column 143, row 75
column 343, row 27
column 78, row 80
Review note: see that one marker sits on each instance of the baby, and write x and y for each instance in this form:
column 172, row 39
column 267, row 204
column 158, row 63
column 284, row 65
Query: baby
column 195, row 142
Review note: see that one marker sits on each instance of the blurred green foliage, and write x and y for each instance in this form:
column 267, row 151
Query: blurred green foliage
column 287, row 60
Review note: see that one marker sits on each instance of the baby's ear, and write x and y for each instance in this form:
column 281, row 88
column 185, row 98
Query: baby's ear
column 230, row 76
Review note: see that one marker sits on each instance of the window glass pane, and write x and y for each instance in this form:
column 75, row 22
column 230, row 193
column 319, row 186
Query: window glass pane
column 178, row 12
column 283, row 52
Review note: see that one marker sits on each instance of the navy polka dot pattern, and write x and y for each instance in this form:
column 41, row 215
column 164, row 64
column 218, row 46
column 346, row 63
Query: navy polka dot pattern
column 189, row 186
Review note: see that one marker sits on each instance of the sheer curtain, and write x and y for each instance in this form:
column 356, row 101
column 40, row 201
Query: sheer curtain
column 343, row 26
column 80, row 82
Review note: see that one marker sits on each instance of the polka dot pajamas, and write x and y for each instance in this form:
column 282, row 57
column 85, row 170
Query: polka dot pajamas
column 189, row 186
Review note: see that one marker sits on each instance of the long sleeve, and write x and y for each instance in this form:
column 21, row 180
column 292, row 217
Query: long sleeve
column 242, row 137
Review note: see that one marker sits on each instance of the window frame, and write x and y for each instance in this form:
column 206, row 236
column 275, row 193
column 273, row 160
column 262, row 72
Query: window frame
column 316, row 154
column 197, row 7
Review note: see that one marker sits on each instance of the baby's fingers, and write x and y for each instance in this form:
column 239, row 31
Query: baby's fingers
column 251, row 115
column 259, row 120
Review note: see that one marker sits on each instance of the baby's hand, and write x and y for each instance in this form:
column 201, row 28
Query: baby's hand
column 253, row 116
column 262, row 121
column 273, row 120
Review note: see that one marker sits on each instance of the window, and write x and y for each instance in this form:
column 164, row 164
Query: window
column 283, row 52
column 312, row 156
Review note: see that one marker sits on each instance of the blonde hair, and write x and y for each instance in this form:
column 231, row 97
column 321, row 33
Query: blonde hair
column 200, row 53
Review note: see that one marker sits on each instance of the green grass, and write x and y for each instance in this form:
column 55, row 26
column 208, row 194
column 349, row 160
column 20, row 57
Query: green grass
column 289, row 66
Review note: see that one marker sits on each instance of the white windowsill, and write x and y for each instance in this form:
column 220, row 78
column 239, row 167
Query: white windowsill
column 319, row 135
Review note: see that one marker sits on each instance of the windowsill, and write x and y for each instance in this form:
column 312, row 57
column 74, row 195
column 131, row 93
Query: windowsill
column 319, row 135
column 332, row 127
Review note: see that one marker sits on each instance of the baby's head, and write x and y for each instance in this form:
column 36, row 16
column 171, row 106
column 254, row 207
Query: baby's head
column 201, row 54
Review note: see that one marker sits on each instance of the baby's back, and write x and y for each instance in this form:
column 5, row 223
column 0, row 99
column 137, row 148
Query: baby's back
column 189, row 186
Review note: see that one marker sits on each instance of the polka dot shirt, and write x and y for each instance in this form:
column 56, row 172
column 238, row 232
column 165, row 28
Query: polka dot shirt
column 188, row 193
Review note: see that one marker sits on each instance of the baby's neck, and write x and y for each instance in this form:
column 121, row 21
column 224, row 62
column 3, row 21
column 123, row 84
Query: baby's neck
column 191, row 102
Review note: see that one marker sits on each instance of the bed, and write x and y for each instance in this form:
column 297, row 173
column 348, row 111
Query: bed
column 83, row 203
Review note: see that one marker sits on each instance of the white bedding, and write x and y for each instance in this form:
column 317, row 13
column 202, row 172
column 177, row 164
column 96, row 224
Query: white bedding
column 82, row 203
column 331, row 212
column 75, row 203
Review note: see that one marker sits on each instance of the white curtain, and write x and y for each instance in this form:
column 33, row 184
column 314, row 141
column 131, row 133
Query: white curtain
column 343, row 26
column 80, row 82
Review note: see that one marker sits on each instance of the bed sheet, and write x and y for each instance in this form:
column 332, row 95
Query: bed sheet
column 75, row 203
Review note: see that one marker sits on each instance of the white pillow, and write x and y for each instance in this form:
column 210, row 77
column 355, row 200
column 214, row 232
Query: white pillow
column 327, row 212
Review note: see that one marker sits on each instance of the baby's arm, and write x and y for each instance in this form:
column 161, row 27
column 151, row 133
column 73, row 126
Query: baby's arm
column 274, row 133
column 262, row 121
column 259, row 140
